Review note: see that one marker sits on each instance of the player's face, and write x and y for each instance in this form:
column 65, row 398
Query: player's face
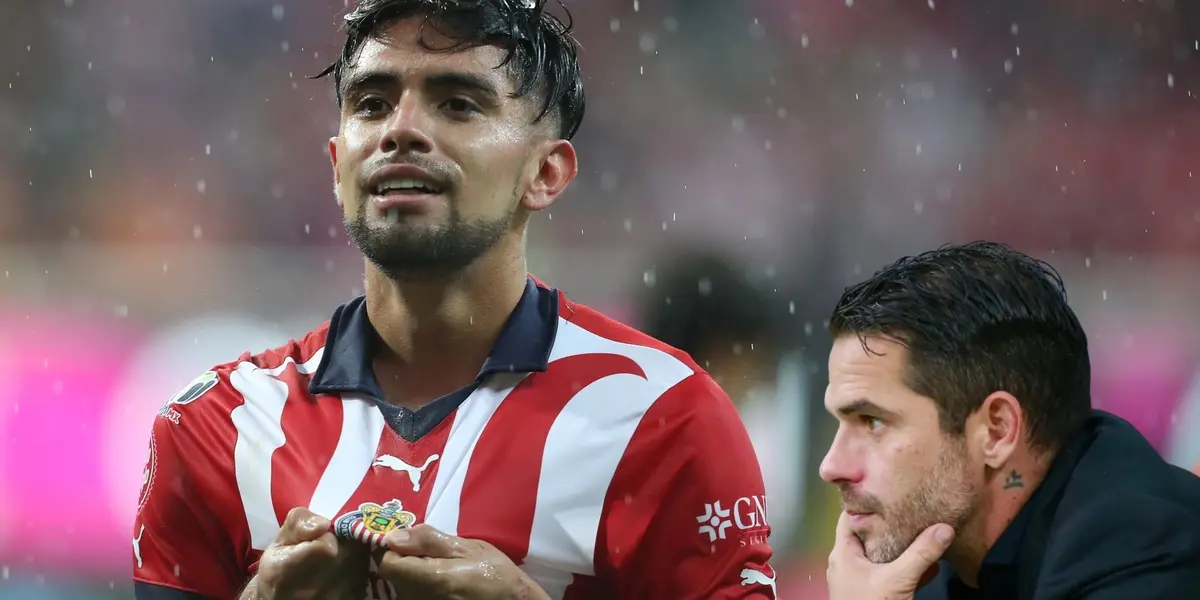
column 898, row 473
column 434, row 160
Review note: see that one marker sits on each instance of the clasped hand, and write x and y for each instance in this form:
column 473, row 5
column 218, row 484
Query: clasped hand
column 306, row 562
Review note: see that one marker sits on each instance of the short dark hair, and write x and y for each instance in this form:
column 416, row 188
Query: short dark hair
column 976, row 319
column 541, row 54
column 701, row 298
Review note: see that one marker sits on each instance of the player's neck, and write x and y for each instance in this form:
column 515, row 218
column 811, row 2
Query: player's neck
column 435, row 333
column 1008, row 491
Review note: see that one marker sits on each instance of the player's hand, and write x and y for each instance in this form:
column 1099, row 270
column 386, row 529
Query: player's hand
column 851, row 576
column 307, row 561
column 425, row 563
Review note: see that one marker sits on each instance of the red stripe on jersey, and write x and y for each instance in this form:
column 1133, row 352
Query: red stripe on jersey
column 311, row 435
column 500, row 489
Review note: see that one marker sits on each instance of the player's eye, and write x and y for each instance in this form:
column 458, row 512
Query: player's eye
column 460, row 105
column 370, row 105
column 873, row 424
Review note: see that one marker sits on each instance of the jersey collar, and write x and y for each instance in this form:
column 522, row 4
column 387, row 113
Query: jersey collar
column 523, row 345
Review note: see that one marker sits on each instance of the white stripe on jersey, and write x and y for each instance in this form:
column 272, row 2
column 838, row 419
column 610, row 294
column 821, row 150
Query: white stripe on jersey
column 362, row 424
column 585, row 445
column 470, row 419
column 259, row 423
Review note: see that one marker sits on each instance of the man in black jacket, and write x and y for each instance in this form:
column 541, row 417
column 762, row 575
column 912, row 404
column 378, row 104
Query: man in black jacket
column 961, row 383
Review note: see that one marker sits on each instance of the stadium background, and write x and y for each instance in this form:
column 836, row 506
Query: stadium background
column 165, row 204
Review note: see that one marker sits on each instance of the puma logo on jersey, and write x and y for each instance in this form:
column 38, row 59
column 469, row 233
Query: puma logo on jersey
column 414, row 473
column 137, row 546
column 756, row 577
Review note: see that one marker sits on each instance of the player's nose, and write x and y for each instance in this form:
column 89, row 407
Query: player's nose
column 840, row 463
column 407, row 127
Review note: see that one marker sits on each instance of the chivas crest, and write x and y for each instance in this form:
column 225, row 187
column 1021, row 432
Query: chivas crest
column 371, row 522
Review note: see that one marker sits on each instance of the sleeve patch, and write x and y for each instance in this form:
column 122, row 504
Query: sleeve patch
column 195, row 389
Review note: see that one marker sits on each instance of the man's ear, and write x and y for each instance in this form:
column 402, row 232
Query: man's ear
column 996, row 428
column 337, row 177
column 558, row 167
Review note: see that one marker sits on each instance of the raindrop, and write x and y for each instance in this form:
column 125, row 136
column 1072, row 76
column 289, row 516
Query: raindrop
column 1104, row 294
column 277, row 12
column 332, row 232
column 197, row 232
column 792, row 307
column 647, row 43
column 284, row 46
column 121, row 311
column 89, row 174
column 628, row 225
column 739, row 124
column 671, row 25
column 918, row 149
column 635, row 6
column 650, row 278
column 804, row 40
column 307, row 229
column 1170, row 81
column 1087, row 263
column 614, row 25
column 932, row 6
column 207, row 149
column 1008, row 66
column 1014, row 29
column 201, row 186
column 277, row 190
column 849, row 3
column 954, row 53
column 704, row 286
column 808, row 328
column 918, row 207
column 69, row 3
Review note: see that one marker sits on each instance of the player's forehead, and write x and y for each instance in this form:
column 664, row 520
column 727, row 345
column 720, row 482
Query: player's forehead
column 868, row 372
column 410, row 49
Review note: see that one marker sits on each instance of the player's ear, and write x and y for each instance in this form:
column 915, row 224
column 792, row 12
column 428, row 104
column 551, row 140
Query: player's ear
column 556, row 169
column 333, row 161
column 995, row 427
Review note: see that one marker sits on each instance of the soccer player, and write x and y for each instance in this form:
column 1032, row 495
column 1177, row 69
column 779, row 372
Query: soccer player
column 960, row 380
column 462, row 430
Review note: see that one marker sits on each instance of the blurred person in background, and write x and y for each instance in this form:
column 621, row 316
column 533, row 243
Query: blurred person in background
column 960, row 379
column 461, row 418
column 704, row 304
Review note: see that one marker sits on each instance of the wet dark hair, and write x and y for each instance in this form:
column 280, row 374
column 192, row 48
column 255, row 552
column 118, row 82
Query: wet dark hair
column 541, row 54
column 976, row 319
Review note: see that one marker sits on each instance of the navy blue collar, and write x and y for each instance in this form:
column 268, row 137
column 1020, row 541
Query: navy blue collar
column 523, row 345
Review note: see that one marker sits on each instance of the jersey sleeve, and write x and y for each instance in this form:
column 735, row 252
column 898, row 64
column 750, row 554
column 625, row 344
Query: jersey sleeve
column 687, row 517
column 182, row 547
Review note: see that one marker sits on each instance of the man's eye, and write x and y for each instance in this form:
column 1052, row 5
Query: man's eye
column 459, row 104
column 370, row 106
column 873, row 423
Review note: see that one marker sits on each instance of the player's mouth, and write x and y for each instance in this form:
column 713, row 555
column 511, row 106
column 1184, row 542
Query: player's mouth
column 402, row 188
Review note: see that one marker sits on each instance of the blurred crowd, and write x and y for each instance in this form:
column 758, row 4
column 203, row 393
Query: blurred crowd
column 165, row 191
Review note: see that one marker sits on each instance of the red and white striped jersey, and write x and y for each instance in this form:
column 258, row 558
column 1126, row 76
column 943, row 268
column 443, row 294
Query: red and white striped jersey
column 603, row 462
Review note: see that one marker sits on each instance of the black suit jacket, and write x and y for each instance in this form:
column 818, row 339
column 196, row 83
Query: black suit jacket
column 1111, row 521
